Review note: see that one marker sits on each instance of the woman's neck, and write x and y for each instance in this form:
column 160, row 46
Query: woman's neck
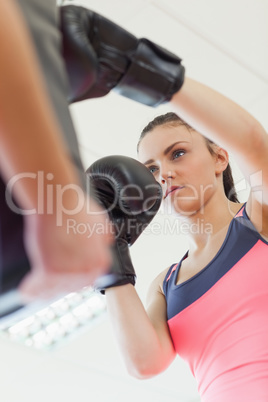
column 209, row 222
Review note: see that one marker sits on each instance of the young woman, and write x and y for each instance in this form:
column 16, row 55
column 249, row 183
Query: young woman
column 212, row 307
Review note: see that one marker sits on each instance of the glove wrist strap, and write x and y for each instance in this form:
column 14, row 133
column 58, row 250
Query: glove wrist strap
column 121, row 272
column 154, row 75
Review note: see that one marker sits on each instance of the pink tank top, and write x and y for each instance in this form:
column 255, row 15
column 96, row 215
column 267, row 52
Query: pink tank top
column 218, row 319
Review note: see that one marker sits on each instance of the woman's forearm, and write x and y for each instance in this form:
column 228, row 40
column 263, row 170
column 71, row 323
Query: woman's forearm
column 217, row 117
column 146, row 351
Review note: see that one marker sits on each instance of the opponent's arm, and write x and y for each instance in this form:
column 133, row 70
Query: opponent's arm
column 31, row 142
column 29, row 131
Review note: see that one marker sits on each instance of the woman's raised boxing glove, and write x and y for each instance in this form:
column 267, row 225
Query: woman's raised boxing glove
column 132, row 197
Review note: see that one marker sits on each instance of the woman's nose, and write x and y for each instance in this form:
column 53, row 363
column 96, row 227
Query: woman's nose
column 166, row 176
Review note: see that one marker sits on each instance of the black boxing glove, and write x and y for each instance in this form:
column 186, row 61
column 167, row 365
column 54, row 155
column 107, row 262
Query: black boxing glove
column 79, row 56
column 135, row 68
column 132, row 197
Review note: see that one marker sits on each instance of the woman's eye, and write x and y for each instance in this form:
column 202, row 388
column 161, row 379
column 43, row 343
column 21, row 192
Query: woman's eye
column 178, row 153
column 152, row 169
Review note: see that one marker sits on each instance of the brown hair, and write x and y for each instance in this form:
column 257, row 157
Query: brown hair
column 173, row 119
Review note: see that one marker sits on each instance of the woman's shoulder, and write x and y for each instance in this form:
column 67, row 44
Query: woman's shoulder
column 157, row 283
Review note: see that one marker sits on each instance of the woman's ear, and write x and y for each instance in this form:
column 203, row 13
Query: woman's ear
column 221, row 159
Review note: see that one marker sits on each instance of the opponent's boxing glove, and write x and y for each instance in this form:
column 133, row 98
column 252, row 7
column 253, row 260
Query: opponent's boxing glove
column 136, row 68
column 132, row 197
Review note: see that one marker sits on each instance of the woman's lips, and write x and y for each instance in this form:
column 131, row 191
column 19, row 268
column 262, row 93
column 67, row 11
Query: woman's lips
column 171, row 189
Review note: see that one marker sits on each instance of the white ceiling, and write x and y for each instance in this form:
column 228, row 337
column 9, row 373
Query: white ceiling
column 223, row 43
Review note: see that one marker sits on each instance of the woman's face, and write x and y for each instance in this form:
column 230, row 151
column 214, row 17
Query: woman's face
column 181, row 162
